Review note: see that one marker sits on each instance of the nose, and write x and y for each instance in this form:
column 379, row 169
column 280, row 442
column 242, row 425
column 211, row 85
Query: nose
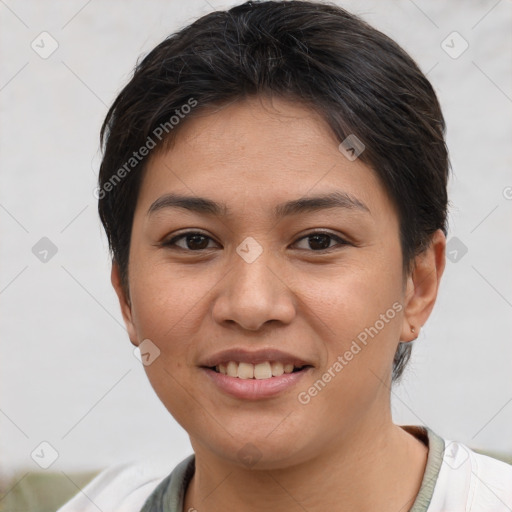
column 254, row 293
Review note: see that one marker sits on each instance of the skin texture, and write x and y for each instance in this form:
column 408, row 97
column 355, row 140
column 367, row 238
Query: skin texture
column 253, row 155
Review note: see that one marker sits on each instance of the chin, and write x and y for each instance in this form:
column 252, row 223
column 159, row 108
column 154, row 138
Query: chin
column 259, row 450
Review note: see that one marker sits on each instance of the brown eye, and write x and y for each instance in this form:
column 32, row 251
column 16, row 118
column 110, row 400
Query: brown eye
column 191, row 241
column 321, row 241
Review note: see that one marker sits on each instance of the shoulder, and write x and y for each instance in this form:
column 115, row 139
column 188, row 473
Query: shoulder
column 472, row 482
column 121, row 487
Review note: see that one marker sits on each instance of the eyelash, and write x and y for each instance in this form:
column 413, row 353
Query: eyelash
column 172, row 242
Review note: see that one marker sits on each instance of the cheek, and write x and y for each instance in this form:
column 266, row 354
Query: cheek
column 352, row 298
column 359, row 315
column 165, row 299
column 166, row 309
column 360, row 311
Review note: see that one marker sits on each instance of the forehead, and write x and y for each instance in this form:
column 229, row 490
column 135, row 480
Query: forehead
column 258, row 152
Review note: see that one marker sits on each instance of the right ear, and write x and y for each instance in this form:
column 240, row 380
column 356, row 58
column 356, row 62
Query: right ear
column 124, row 302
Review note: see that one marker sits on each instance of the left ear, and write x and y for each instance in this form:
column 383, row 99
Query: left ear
column 422, row 286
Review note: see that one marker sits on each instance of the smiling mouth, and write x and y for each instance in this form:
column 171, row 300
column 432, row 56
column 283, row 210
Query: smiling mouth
column 260, row 371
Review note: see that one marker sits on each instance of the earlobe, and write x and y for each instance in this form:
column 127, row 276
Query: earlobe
column 423, row 286
column 124, row 302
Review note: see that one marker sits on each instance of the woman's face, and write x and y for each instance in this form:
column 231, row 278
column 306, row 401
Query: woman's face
column 269, row 278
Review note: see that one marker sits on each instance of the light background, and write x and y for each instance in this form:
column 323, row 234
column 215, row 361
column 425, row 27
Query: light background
column 68, row 373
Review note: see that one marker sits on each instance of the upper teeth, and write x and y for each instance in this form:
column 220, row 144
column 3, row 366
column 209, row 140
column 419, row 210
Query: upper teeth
column 254, row 371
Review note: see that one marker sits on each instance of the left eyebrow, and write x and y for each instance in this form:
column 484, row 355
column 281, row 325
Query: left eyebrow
column 316, row 203
column 295, row 207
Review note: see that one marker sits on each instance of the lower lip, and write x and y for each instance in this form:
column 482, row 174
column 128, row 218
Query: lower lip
column 255, row 389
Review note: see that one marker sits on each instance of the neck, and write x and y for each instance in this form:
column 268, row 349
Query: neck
column 377, row 469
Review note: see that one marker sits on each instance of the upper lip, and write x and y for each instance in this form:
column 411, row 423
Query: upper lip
column 241, row 355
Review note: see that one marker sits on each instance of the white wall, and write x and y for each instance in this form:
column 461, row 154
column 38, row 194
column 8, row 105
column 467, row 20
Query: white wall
column 68, row 373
